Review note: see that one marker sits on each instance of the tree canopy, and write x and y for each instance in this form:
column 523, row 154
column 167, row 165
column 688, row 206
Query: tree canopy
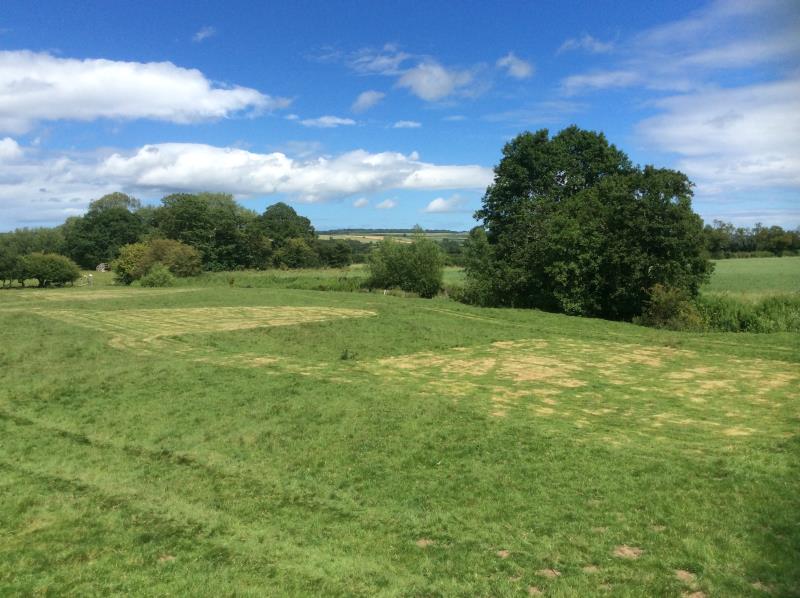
column 571, row 225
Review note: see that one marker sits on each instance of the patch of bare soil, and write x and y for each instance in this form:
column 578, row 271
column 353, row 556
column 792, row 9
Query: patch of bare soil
column 591, row 569
column 503, row 554
column 424, row 542
column 628, row 552
column 166, row 558
column 685, row 576
column 534, row 591
column 761, row 587
column 548, row 573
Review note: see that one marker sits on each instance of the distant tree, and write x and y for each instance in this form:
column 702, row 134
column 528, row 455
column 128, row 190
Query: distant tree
column 31, row 240
column 115, row 200
column 415, row 267
column 9, row 266
column 335, row 253
column 280, row 223
column 296, row 253
column 571, row 225
column 49, row 269
column 98, row 235
column 225, row 233
column 187, row 218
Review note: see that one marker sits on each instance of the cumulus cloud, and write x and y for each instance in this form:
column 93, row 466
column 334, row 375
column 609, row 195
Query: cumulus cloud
column 204, row 33
column 387, row 204
column 743, row 137
column 9, row 149
column 587, row 43
column 361, row 202
column 38, row 86
column 366, row 100
column 327, row 122
column 432, row 82
column 406, row 124
column 454, row 118
column 440, row 205
column 49, row 188
column 515, row 67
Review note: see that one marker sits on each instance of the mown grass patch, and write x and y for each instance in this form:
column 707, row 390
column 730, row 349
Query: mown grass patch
column 463, row 451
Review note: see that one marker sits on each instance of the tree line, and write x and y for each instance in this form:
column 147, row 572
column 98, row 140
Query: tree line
column 723, row 240
column 225, row 235
column 569, row 224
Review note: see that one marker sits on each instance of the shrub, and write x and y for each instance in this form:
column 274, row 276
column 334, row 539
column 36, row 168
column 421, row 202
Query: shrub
column 137, row 259
column 158, row 276
column 181, row 259
column 296, row 253
column 416, row 267
column 724, row 313
column 49, row 269
column 129, row 266
column 673, row 308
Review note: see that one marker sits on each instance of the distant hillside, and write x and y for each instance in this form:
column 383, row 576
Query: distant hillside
column 386, row 231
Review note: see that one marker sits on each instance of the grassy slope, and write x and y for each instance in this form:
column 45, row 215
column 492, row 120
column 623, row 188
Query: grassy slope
column 172, row 468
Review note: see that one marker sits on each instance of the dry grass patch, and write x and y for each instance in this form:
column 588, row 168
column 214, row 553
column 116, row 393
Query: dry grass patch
column 628, row 552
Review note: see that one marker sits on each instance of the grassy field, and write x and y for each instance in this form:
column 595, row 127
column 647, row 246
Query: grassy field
column 226, row 440
column 401, row 237
column 756, row 277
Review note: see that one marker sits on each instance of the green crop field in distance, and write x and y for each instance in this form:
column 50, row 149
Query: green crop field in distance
column 212, row 439
column 756, row 277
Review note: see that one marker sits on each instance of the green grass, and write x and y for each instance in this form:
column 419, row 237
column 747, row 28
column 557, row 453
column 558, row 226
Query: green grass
column 150, row 444
column 756, row 277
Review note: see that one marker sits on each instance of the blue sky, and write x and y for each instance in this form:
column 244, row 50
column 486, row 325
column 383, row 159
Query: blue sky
column 388, row 114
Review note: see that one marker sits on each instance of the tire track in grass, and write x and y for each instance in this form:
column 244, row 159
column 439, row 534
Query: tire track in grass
column 127, row 475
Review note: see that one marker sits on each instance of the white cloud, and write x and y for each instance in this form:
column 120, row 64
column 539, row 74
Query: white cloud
column 440, row 205
column 599, row 80
column 406, row 124
column 366, row 100
column 327, row 122
column 9, row 150
column 41, row 188
column 387, row 204
column 685, row 54
column 387, row 61
column 432, row 82
column 515, row 67
column 292, row 117
column 361, row 202
column 454, row 118
column 37, row 86
column 743, row 137
column 538, row 113
column 204, row 33
column 587, row 43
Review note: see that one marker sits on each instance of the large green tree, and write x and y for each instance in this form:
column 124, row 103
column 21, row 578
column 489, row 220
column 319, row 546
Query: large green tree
column 98, row 235
column 222, row 231
column 571, row 225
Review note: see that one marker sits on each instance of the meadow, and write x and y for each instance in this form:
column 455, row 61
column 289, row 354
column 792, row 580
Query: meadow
column 756, row 277
column 245, row 438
